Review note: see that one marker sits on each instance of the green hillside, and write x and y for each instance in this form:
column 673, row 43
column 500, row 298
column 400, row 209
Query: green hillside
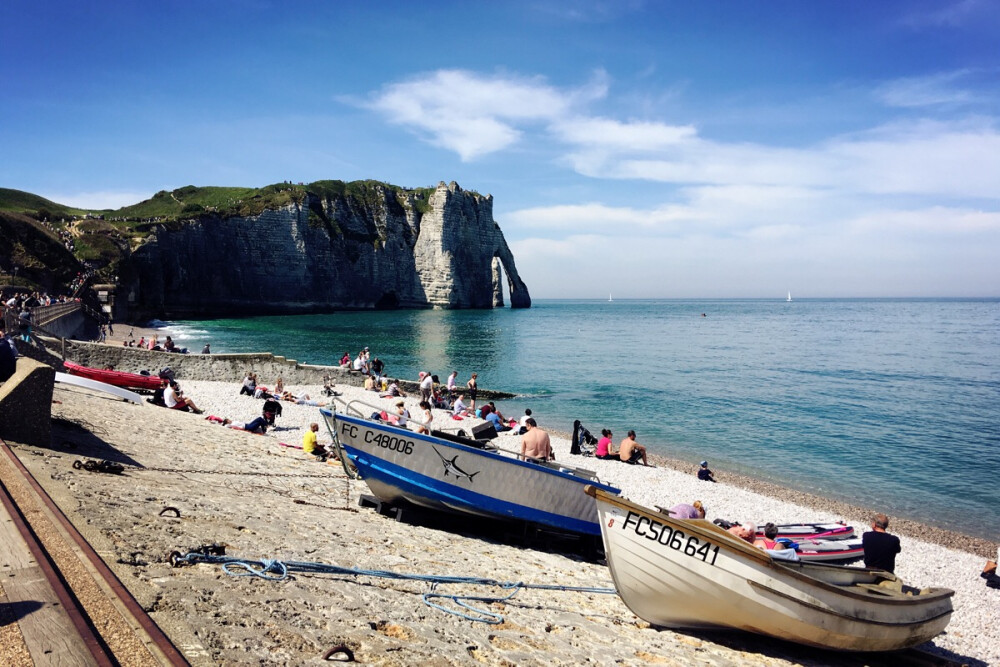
column 25, row 202
column 33, row 256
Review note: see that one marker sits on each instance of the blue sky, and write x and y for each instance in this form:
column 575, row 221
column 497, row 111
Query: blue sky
column 652, row 149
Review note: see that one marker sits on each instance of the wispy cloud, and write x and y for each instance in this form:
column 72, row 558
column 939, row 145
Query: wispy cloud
column 933, row 90
column 949, row 14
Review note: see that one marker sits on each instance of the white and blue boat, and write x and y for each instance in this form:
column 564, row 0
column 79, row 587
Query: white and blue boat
column 448, row 472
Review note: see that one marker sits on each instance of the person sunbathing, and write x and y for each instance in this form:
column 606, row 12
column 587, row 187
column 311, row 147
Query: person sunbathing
column 303, row 400
column 746, row 533
column 258, row 425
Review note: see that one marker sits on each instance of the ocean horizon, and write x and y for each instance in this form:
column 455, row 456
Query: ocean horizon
column 893, row 401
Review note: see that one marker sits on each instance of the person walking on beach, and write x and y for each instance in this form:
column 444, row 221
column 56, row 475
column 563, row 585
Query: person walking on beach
column 631, row 451
column 473, row 387
column 880, row 547
column 535, row 444
column 451, row 384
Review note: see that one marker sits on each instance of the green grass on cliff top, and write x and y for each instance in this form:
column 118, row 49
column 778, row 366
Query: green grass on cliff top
column 191, row 202
column 25, row 202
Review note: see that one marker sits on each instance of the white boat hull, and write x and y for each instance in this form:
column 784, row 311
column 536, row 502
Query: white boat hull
column 692, row 574
column 77, row 381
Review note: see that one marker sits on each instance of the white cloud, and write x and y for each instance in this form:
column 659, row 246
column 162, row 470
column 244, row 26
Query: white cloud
column 960, row 159
column 100, row 200
column 616, row 135
column 474, row 114
column 931, row 251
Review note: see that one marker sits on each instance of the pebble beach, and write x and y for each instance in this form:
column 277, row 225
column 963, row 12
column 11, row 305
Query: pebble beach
column 265, row 500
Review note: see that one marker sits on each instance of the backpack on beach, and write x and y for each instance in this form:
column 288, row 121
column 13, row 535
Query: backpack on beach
column 583, row 441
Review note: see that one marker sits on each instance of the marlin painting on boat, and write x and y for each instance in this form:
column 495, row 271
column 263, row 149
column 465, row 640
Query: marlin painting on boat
column 446, row 472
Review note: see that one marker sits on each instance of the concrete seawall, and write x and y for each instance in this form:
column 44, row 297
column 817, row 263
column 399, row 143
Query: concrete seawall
column 224, row 367
column 26, row 403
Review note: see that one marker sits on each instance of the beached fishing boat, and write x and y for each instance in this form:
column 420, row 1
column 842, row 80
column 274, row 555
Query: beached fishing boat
column 840, row 551
column 690, row 573
column 116, row 378
column 819, row 531
column 443, row 471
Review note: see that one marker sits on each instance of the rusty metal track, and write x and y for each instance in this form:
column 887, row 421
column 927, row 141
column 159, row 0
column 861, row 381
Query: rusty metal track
column 168, row 653
column 70, row 604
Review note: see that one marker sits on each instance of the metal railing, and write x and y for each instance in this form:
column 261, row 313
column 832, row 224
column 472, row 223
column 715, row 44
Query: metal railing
column 43, row 315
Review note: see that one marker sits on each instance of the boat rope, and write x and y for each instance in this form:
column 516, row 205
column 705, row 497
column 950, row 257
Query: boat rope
column 118, row 468
column 277, row 570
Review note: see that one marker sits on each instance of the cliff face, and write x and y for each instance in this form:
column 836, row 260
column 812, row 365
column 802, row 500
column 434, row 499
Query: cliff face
column 341, row 251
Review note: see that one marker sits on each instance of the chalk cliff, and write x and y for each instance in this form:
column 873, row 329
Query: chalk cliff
column 380, row 247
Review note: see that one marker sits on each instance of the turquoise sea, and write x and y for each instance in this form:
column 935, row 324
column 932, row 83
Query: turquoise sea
column 892, row 404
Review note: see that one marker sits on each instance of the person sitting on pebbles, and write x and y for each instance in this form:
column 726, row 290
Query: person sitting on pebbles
column 704, row 474
column 310, row 446
column 631, row 451
column 459, row 408
column 174, row 399
column 768, row 541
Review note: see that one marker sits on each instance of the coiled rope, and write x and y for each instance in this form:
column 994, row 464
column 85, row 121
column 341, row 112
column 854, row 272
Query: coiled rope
column 277, row 570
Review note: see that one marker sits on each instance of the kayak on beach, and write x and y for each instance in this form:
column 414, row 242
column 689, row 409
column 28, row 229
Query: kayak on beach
column 802, row 531
column 116, row 378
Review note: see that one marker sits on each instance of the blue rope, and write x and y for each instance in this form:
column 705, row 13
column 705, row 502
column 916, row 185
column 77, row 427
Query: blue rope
column 276, row 570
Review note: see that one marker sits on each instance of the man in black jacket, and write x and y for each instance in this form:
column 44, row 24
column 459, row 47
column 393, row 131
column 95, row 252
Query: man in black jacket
column 880, row 547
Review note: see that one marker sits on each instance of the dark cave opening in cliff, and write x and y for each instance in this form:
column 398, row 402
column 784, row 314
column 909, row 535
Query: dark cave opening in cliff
column 388, row 301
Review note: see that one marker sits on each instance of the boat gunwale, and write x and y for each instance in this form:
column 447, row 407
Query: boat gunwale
column 725, row 540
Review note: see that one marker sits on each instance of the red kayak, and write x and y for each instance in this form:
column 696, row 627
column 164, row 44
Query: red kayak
column 116, row 378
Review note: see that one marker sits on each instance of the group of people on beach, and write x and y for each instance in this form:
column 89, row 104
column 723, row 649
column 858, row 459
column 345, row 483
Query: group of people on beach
column 629, row 450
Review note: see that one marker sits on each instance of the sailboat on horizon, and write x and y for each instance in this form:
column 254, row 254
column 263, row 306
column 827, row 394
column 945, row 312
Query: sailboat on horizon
column 609, row 297
column 789, row 296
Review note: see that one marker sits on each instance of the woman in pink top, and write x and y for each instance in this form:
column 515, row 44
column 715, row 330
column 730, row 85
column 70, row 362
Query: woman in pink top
column 605, row 448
